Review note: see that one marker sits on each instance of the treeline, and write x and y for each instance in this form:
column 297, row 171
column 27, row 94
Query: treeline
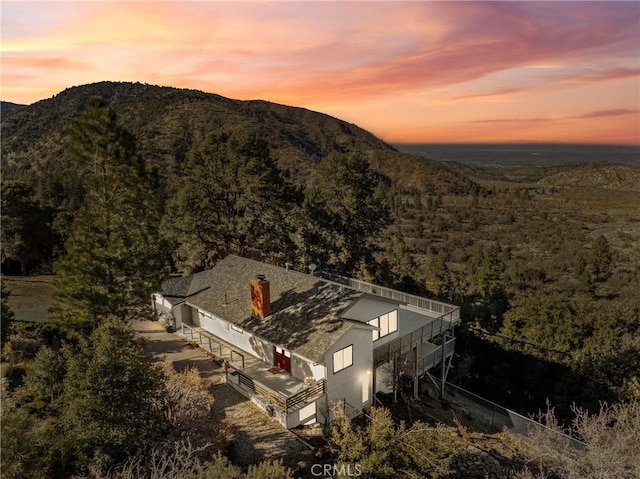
column 229, row 196
column 532, row 284
column 542, row 318
column 550, row 311
column 81, row 396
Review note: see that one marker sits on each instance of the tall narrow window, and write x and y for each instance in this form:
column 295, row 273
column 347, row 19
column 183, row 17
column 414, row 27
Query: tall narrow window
column 342, row 359
column 375, row 332
column 388, row 323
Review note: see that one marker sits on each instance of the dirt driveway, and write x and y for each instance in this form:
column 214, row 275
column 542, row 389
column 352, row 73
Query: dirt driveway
column 255, row 435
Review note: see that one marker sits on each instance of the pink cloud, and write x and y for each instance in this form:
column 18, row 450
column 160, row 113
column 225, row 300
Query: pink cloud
column 343, row 55
column 610, row 113
column 46, row 63
column 591, row 114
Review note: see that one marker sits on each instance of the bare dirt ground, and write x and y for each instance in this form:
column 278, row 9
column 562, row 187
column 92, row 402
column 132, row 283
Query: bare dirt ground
column 30, row 296
column 256, row 436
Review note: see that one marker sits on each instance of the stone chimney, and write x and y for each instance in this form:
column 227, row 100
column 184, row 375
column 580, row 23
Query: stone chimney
column 260, row 297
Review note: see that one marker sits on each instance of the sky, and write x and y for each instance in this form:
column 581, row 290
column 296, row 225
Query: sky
column 412, row 71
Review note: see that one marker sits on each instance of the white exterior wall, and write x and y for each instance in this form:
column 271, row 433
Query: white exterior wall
column 160, row 305
column 303, row 417
column 182, row 314
column 301, row 368
column 352, row 384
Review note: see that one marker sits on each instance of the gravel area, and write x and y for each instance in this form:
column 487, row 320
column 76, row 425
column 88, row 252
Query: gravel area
column 256, row 436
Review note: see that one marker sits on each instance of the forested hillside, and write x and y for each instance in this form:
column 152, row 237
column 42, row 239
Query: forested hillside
column 112, row 186
column 168, row 122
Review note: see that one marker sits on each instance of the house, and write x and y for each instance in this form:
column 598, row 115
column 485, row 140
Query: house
column 299, row 344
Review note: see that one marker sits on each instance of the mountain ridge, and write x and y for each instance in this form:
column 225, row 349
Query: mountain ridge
column 169, row 121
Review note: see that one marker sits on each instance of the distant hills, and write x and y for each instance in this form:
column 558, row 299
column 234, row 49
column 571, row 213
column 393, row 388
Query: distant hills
column 167, row 122
column 608, row 176
column 611, row 167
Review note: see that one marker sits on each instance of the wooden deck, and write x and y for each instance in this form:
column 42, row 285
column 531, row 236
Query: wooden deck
column 257, row 376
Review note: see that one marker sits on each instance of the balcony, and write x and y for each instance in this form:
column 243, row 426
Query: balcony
column 271, row 388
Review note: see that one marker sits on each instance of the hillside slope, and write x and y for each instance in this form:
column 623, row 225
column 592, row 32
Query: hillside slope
column 169, row 121
column 609, row 176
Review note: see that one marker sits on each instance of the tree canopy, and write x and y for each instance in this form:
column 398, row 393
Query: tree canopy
column 231, row 198
column 112, row 395
column 344, row 211
column 114, row 257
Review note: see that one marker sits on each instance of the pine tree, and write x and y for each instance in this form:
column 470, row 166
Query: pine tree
column 232, row 198
column 113, row 257
column 600, row 258
column 345, row 210
column 27, row 235
column 490, row 287
column 439, row 279
column 6, row 315
column 112, row 395
column 489, row 273
column 44, row 378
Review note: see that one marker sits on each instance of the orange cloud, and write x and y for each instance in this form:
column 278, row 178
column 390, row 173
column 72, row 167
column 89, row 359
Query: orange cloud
column 428, row 68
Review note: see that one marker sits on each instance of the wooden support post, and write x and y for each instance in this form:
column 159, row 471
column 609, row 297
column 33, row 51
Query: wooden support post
column 416, row 392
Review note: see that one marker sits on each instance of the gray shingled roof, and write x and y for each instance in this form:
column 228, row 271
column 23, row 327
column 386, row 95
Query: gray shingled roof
column 305, row 310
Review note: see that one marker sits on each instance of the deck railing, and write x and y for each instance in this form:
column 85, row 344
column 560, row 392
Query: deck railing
column 236, row 360
column 210, row 344
column 258, row 388
column 279, row 398
column 406, row 343
column 427, row 304
column 313, row 390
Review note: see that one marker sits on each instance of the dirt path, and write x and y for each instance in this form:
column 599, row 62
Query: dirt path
column 255, row 435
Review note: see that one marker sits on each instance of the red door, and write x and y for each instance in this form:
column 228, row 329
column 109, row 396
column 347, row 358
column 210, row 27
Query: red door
column 282, row 359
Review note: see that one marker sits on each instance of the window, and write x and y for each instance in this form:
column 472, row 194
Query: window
column 342, row 359
column 388, row 323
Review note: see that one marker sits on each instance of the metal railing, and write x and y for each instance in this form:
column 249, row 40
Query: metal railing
column 498, row 416
column 211, row 345
column 280, row 399
column 426, row 304
column 406, row 343
column 307, row 393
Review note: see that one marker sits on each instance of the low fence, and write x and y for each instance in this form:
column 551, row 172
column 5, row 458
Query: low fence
column 494, row 415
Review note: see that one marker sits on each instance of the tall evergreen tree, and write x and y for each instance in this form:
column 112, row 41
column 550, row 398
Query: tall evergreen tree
column 6, row 315
column 112, row 396
column 27, row 234
column 345, row 209
column 113, row 255
column 439, row 280
column 600, row 258
column 232, row 198
column 490, row 287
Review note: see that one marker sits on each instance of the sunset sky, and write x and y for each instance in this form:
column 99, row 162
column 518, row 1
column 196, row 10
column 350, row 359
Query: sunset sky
column 406, row 71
